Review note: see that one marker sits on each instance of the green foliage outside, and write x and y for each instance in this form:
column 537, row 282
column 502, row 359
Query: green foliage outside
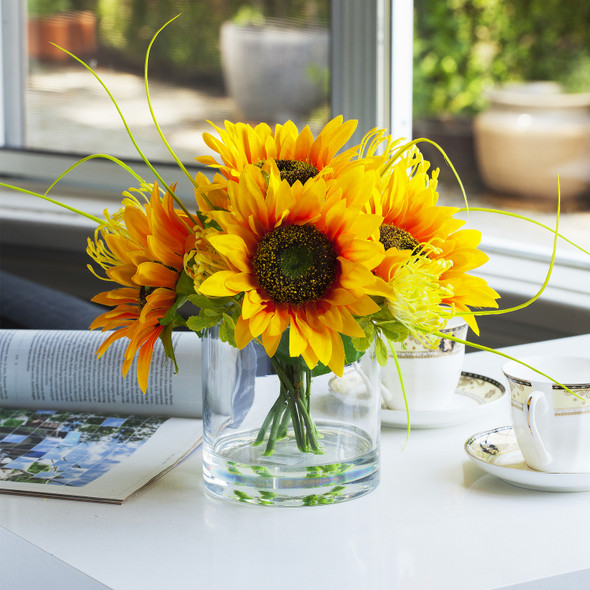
column 462, row 47
column 41, row 8
column 187, row 49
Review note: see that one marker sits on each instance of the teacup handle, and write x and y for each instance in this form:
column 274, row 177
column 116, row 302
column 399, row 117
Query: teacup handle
column 537, row 403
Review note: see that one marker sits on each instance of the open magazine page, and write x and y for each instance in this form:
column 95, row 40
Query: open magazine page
column 89, row 456
column 58, row 370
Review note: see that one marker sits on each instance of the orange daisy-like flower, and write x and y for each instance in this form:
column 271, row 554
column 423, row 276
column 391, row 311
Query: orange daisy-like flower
column 302, row 258
column 142, row 250
column 411, row 217
column 298, row 155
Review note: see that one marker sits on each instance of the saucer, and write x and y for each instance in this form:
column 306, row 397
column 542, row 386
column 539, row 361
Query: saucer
column 474, row 395
column 496, row 452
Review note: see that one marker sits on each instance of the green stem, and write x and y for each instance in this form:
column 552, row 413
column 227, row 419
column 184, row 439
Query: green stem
column 269, row 417
column 308, row 389
column 153, row 115
column 414, row 142
column 547, row 276
column 401, row 382
column 298, row 429
column 93, row 218
column 274, row 430
column 525, row 218
column 310, row 428
column 129, row 132
column 507, row 356
column 294, row 404
column 284, row 422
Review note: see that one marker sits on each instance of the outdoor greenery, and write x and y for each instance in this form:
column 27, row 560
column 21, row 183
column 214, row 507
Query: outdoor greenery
column 41, row 8
column 462, row 47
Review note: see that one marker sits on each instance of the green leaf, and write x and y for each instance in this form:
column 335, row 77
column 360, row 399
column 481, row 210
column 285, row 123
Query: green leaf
column 227, row 330
column 166, row 338
column 351, row 353
column 393, row 330
column 206, row 303
column 381, row 352
column 362, row 344
column 185, row 285
column 319, row 369
column 196, row 323
column 171, row 315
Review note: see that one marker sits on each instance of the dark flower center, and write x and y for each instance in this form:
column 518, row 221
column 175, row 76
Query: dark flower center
column 295, row 264
column 394, row 237
column 294, row 170
column 144, row 292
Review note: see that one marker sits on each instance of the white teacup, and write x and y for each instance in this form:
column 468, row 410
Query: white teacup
column 430, row 375
column 552, row 426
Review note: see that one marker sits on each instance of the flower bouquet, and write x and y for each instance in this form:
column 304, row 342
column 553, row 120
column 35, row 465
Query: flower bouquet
column 308, row 257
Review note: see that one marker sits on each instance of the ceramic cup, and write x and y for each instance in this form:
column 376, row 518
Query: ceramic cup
column 430, row 375
column 552, row 426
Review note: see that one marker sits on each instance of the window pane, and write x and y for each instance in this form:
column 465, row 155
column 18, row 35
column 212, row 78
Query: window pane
column 510, row 150
column 221, row 59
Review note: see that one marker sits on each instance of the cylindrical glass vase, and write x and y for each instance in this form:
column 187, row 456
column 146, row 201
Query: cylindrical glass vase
column 275, row 433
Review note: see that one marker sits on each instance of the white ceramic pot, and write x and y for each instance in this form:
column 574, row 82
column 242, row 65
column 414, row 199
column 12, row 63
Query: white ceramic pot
column 530, row 134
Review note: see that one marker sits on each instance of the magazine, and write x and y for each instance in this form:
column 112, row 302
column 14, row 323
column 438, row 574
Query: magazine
column 72, row 427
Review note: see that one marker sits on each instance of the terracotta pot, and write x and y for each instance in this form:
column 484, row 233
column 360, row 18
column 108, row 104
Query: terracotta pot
column 74, row 31
column 530, row 134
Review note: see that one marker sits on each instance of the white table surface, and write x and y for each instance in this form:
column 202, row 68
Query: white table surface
column 436, row 521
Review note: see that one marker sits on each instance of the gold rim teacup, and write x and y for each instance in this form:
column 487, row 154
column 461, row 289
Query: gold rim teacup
column 552, row 425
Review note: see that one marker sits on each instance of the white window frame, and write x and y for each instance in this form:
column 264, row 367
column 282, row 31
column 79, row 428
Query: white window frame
column 12, row 74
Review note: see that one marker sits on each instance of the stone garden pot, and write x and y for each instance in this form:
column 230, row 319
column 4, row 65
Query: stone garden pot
column 275, row 73
column 530, row 134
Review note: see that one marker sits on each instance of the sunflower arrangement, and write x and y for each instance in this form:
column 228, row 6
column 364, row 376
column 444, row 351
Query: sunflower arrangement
column 311, row 250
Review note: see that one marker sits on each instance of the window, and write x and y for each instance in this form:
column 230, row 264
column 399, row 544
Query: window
column 206, row 65
column 55, row 111
column 368, row 76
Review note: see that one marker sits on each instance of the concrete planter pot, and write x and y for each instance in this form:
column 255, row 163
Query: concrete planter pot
column 274, row 73
column 530, row 134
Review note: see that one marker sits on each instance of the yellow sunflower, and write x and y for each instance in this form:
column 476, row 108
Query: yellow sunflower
column 302, row 258
column 298, row 155
column 407, row 201
column 142, row 248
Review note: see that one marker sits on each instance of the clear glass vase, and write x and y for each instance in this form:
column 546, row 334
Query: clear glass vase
column 275, row 433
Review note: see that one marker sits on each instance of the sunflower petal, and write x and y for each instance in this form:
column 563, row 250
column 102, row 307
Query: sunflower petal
column 214, row 286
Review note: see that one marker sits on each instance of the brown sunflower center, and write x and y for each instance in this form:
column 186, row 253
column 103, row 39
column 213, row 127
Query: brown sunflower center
column 294, row 170
column 295, row 264
column 394, row 237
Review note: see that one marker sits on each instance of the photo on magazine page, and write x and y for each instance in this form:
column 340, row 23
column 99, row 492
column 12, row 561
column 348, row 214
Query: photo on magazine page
column 104, row 457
